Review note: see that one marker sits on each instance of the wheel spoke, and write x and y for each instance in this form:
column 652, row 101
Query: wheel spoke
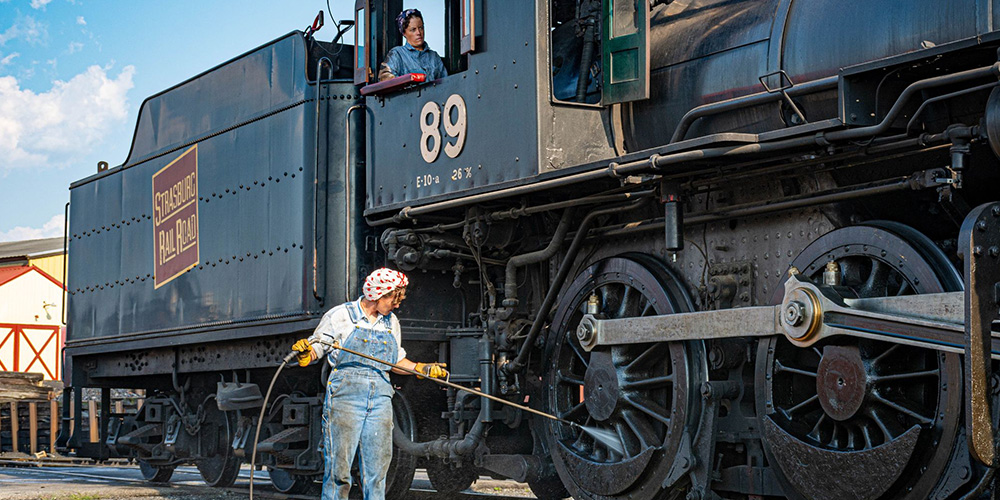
column 563, row 378
column 648, row 308
column 882, row 356
column 642, row 358
column 640, row 428
column 906, row 376
column 875, row 285
column 887, row 436
column 649, row 408
column 814, row 434
column 900, row 408
column 623, row 307
column 620, row 430
column 577, row 350
column 866, row 434
column 778, row 367
column 604, row 295
column 572, row 412
column 812, row 399
column 649, row 383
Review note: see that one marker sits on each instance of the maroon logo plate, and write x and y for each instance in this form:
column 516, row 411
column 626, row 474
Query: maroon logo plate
column 175, row 218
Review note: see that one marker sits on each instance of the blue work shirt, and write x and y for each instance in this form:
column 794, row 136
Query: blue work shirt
column 406, row 59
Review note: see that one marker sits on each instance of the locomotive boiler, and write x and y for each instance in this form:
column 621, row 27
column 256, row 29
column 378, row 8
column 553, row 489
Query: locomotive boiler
column 754, row 240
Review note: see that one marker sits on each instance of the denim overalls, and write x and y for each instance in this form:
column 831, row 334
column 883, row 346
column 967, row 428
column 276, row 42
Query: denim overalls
column 357, row 412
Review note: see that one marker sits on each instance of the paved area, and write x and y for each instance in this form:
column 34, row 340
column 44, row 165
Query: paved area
column 122, row 482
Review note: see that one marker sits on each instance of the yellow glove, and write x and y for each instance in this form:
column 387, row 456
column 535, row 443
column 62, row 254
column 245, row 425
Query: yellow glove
column 432, row 370
column 305, row 351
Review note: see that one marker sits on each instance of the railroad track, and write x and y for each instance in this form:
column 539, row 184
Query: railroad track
column 185, row 479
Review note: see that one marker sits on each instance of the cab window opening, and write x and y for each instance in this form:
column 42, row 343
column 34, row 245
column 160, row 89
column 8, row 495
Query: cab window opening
column 442, row 22
column 575, row 32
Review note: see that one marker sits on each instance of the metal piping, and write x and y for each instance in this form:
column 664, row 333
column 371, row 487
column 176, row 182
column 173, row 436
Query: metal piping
column 316, row 154
column 801, row 201
column 347, row 194
column 442, row 447
column 915, row 87
column 510, row 282
column 65, row 286
column 517, row 363
column 704, row 110
column 945, row 97
column 656, row 161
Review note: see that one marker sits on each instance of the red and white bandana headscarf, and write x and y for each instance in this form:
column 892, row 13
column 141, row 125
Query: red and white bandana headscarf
column 383, row 281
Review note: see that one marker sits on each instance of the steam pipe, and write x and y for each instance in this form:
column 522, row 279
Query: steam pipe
column 704, row 110
column 442, row 447
column 348, row 227
column 316, row 155
column 915, row 87
column 510, row 283
column 517, row 363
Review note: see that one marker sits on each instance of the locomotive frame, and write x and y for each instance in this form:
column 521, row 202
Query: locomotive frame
column 613, row 248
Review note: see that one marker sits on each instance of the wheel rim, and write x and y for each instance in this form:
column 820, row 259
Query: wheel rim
column 638, row 392
column 860, row 402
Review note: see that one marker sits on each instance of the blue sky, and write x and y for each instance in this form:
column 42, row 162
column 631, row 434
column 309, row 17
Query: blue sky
column 74, row 72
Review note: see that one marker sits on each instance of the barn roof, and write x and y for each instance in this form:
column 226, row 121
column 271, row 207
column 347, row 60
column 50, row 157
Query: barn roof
column 7, row 274
column 30, row 248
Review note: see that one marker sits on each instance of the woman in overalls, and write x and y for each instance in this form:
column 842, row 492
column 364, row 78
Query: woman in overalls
column 357, row 412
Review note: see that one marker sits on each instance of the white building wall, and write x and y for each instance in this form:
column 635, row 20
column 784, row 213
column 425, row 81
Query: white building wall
column 29, row 328
column 22, row 300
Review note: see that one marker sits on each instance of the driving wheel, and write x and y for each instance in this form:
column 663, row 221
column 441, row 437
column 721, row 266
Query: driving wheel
column 639, row 393
column 859, row 418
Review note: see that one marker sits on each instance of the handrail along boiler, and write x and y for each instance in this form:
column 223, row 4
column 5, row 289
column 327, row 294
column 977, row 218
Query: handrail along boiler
column 755, row 241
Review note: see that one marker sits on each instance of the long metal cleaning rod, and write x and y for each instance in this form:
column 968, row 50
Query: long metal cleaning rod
column 452, row 385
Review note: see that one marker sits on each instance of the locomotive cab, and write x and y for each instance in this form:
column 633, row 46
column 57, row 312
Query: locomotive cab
column 513, row 106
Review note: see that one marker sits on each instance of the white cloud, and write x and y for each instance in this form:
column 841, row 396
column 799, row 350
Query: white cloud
column 39, row 4
column 75, row 47
column 51, row 229
column 81, row 21
column 56, row 128
column 8, row 59
column 26, row 28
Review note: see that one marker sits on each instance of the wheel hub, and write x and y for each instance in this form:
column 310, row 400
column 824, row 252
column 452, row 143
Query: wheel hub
column 600, row 386
column 841, row 381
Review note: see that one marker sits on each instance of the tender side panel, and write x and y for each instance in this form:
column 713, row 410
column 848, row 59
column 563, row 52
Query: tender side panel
column 252, row 85
column 255, row 184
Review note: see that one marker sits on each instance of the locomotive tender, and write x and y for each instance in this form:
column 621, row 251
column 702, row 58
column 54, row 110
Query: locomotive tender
column 755, row 239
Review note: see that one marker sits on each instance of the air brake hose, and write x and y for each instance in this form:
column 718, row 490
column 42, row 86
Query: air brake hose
column 263, row 411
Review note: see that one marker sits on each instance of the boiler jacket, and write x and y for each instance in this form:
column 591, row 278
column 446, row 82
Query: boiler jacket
column 357, row 411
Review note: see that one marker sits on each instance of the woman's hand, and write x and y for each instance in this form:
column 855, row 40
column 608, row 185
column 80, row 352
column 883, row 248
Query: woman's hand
column 306, row 354
column 432, row 370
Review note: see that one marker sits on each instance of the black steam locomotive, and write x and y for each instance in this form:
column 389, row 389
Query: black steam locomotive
column 753, row 239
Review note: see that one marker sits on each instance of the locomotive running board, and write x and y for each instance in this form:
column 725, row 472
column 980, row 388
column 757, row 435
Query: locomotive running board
column 957, row 322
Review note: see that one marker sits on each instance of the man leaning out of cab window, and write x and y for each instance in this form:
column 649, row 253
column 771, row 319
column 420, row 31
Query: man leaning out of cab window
column 414, row 56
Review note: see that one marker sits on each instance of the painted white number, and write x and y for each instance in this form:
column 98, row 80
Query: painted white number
column 455, row 128
column 429, row 132
column 430, row 120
